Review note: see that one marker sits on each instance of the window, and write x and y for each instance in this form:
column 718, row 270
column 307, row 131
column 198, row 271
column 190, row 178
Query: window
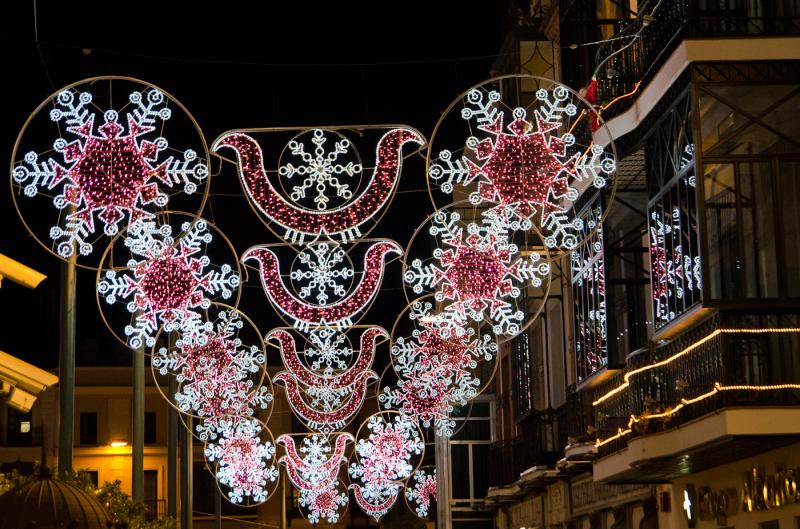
column 150, row 429
column 92, row 475
column 751, row 187
column 88, row 428
column 589, row 294
column 469, row 450
column 771, row 524
column 675, row 272
column 25, row 427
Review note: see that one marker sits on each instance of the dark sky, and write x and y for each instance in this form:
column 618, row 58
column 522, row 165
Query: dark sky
column 235, row 65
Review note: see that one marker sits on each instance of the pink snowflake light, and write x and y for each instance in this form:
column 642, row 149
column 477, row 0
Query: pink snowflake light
column 477, row 274
column 245, row 463
column 424, row 493
column 434, row 370
column 305, row 315
column 169, row 283
column 215, row 375
column 314, row 471
column 525, row 168
column 384, row 460
column 110, row 172
column 343, row 222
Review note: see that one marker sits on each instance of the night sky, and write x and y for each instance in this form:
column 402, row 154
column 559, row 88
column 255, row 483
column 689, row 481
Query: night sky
column 236, row 65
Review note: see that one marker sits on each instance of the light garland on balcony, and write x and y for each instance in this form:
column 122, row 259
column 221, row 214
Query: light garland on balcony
column 627, row 376
column 108, row 173
column 686, row 402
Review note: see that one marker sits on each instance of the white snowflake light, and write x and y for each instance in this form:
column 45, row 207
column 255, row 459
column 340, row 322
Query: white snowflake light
column 423, row 493
column 434, row 369
column 477, row 275
column 322, row 269
column 245, row 463
column 341, row 314
column 384, row 461
column 321, row 171
column 326, row 402
column 169, row 284
column 525, row 168
column 214, row 375
column 107, row 173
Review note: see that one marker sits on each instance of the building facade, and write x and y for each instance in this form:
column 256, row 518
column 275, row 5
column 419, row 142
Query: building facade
column 660, row 387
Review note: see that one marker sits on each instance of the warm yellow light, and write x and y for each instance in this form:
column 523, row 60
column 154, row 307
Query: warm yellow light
column 629, row 374
column 118, row 444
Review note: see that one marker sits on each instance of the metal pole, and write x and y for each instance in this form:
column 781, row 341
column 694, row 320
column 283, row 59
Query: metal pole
column 443, row 515
column 172, row 449
column 283, row 501
column 66, row 367
column 186, row 475
column 137, row 464
column 217, row 508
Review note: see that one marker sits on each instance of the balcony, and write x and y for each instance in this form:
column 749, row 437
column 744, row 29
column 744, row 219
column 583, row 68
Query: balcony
column 705, row 395
column 642, row 46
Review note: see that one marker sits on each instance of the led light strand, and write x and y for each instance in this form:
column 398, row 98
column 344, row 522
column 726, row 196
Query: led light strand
column 424, row 492
column 344, row 222
column 690, row 348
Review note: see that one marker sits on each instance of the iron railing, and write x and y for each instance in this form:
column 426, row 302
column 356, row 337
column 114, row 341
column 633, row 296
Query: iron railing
column 15, row 438
column 687, row 370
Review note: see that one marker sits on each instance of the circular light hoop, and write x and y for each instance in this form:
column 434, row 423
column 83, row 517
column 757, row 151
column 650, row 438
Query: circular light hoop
column 534, row 129
column 434, row 275
column 154, row 166
column 190, row 270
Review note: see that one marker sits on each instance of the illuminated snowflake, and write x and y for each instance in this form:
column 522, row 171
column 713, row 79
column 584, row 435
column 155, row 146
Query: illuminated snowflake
column 525, row 168
column 244, row 462
column 109, row 172
column 478, row 274
column 321, row 170
column 169, row 284
column 424, row 492
column 323, row 269
column 384, row 460
column 433, row 369
column 670, row 272
column 314, row 472
column 330, row 349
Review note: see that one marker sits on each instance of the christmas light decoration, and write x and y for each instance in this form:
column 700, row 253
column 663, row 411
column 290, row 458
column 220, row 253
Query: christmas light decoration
column 214, row 376
column 343, row 222
column 672, row 273
column 169, row 283
column 245, row 463
column 627, row 376
column 306, row 315
column 326, row 401
column 476, row 274
column 384, row 460
column 314, row 472
column 108, row 172
column 321, row 270
column 434, row 370
column 423, row 493
column 525, row 168
column 589, row 292
column 321, row 170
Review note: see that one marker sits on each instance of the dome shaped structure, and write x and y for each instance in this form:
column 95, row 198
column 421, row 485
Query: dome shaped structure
column 47, row 503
